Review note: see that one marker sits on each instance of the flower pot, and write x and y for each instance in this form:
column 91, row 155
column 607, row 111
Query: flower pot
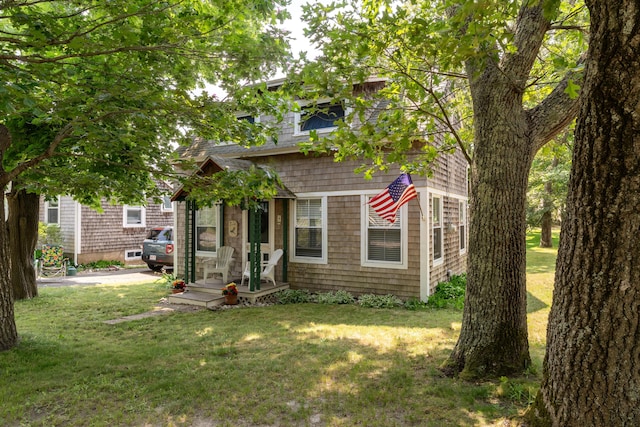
column 177, row 291
column 231, row 299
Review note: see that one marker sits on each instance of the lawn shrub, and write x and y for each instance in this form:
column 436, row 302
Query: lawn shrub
column 294, row 296
column 414, row 303
column 102, row 264
column 337, row 297
column 379, row 301
column 449, row 294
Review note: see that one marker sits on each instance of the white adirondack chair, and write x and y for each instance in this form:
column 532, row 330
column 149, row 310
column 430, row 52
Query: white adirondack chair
column 220, row 265
column 268, row 272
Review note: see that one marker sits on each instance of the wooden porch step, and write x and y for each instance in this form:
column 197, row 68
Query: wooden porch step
column 202, row 299
column 211, row 296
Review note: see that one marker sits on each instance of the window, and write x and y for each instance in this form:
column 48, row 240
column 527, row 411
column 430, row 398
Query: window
column 462, row 227
column 133, row 216
column 436, row 206
column 250, row 119
column 384, row 243
column 319, row 117
column 310, row 232
column 166, row 205
column 52, row 211
column 132, row 254
column 207, row 220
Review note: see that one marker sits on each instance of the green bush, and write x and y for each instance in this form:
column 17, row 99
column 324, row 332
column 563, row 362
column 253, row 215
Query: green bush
column 337, row 297
column 449, row 294
column 379, row 301
column 102, row 264
column 49, row 234
column 414, row 303
column 294, row 296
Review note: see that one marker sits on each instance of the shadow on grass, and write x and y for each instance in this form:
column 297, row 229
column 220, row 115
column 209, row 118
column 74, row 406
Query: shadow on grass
column 534, row 304
column 281, row 365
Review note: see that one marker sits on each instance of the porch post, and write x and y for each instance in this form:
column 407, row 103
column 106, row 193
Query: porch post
column 194, row 207
column 255, row 257
column 285, row 239
column 187, row 240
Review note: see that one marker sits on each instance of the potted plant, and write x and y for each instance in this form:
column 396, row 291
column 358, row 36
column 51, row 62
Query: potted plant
column 178, row 286
column 230, row 293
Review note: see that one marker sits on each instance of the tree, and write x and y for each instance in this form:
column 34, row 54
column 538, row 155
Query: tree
column 590, row 374
column 95, row 95
column 495, row 79
column 548, row 181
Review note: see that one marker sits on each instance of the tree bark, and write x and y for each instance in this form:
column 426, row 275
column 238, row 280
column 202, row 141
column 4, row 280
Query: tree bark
column 494, row 339
column 8, row 330
column 591, row 375
column 23, row 236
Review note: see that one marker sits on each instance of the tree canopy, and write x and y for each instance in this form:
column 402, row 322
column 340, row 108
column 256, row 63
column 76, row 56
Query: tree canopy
column 109, row 88
column 95, row 95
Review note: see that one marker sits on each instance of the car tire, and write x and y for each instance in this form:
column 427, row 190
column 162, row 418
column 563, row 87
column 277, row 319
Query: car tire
column 156, row 268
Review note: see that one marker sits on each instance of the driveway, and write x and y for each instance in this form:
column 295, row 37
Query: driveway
column 105, row 277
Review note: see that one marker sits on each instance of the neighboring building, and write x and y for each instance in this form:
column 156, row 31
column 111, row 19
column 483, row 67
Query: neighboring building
column 116, row 234
column 331, row 237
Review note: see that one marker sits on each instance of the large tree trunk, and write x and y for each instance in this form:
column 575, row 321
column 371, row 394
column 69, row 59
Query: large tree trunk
column 493, row 339
column 591, row 375
column 23, row 233
column 8, row 330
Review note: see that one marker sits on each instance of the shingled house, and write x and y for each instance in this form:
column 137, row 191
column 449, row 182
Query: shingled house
column 115, row 234
column 331, row 237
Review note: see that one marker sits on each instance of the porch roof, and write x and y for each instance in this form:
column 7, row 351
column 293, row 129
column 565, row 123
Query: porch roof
column 213, row 164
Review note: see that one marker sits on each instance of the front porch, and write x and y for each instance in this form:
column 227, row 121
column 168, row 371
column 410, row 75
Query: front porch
column 209, row 294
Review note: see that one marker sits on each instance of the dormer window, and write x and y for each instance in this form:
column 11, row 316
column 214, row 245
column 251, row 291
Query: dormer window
column 321, row 117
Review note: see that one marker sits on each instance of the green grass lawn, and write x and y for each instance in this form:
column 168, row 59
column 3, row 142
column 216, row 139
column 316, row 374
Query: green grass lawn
column 283, row 365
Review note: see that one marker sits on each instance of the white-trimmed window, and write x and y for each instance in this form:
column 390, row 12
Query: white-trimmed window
column 436, row 224
column 52, row 211
column 384, row 244
column 167, row 205
column 248, row 118
column 207, row 230
column 132, row 254
column 310, row 230
column 320, row 117
column 134, row 216
column 462, row 227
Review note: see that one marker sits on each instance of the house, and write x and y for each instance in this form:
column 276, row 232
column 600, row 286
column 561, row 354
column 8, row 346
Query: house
column 331, row 237
column 115, row 234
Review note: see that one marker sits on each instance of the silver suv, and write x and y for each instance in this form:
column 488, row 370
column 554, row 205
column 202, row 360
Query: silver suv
column 157, row 248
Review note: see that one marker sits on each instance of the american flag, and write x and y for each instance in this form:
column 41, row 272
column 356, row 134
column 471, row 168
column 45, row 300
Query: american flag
column 399, row 192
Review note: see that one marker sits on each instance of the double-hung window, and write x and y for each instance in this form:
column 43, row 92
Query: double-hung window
column 384, row 244
column 436, row 224
column 52, row 211
column 462, row 227
column 133, row 216
column 207, row 230
column 166, row 205
column 310, row 230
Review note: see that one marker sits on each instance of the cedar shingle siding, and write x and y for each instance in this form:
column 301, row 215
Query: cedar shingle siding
column 320, row 176
column 103, row 235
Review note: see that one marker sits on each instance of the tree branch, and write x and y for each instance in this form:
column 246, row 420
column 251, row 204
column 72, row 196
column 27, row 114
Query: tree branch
column 554, row 113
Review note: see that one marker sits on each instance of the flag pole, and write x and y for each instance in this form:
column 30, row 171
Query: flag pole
column 420, row 207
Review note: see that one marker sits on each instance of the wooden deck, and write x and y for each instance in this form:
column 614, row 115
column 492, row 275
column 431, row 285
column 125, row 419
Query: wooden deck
column 209, row 294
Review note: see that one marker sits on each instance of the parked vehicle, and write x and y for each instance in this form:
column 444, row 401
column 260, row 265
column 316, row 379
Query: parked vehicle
column 157, row 248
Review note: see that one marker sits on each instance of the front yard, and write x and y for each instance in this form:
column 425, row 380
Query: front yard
column 282, row 365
